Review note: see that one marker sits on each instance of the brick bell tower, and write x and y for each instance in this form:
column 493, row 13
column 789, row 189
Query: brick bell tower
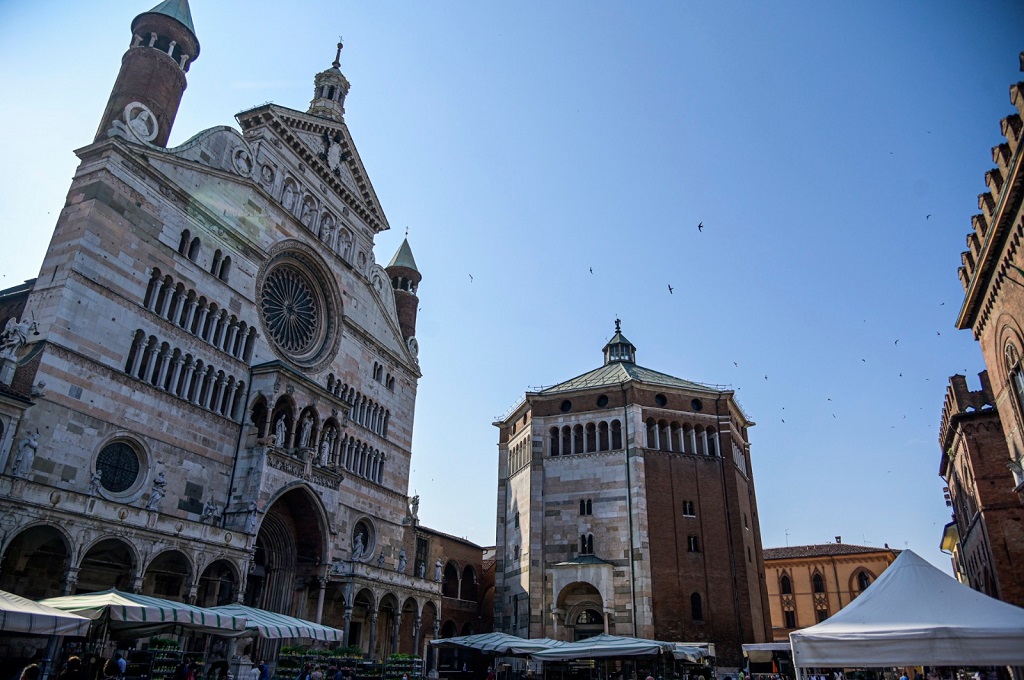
column 148, row 89
column 405, row 279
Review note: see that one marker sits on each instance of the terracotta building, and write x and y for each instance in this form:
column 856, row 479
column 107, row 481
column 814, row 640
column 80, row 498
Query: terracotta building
column 208, row 392
column 992, row 275
column 986, row 538
column 809, row 583
column 626, row 505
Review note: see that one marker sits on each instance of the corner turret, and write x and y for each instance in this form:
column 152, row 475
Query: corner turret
column 149, row 87
column 405, row 279
column 619, row 348
column 329, row 90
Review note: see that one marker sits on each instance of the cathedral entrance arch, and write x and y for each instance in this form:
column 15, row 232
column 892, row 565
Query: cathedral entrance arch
column 582, row 609
column 35, row 563
column 290, row 548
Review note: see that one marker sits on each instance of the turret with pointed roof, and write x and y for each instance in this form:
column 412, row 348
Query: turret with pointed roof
column 149, row 87
column 329, row 90
column 405, row 279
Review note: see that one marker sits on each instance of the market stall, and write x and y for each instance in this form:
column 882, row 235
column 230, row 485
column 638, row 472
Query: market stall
column 912, row 615
column 22, row 616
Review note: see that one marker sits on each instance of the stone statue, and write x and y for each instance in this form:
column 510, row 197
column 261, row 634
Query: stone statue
column 26, row 452
column 280, row 432
column 422, row 571
column 437, row 570
column 325, row 450
column 380, row 560
column 326, row 227
column 157, row 492
column 251, row 518
column 211, row 511
column 95, row 483
column 288, row 197
column 403, row 560
column 14, row 336
column 358, row 547
column 414, row 503
column 306, row 431
column 307, row 212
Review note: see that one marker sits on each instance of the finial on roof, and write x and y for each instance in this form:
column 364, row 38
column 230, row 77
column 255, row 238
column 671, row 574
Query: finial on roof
column 337, row 57
column 618, row 325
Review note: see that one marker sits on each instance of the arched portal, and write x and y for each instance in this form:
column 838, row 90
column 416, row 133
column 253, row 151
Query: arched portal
column 35, row 563
column 108, row 564
column 289, row 548
column 583, row 611
column 167, row 576
column 364, row 608
column 218, row 585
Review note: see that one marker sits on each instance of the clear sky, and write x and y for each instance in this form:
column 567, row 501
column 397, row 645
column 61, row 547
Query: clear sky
column 526, row 143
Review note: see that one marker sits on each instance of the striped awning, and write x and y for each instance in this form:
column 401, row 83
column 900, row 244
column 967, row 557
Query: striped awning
column 604, row 646
column 19, row 615
column 498, row 643
column 275, row 626
column 144, row 612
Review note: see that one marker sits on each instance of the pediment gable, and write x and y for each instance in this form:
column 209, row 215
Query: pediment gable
column 326, row 147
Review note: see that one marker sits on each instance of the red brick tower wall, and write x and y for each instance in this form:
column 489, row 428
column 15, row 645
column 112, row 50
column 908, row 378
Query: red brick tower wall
column 406, row 302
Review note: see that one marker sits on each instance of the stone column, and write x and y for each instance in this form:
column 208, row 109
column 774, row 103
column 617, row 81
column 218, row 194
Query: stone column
column 147, row 371
column 347, row 617
column 607, row 621
column 394, row 632
column 704, row 440
column 321, row 583
column 416, row 635
column 166, row 303
column 161, row 376
column 190, row 314
column 139, row 347
column 176, row 315
column 176, row 373
column 70, row 581
column 203, row 311
column 373, row 635
column 154, row 301
column 228, row 410
column 232, row 334
column 693, row 441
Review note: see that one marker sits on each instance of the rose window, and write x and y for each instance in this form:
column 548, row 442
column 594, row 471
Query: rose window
column 291, row 310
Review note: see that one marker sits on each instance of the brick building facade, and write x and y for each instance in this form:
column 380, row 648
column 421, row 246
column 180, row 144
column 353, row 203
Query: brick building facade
column 992, row 275
column 215, row 400
column 988, row 543
column 809, row 583
column 626, row 505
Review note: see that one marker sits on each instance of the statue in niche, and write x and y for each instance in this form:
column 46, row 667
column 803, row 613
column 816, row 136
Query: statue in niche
column 305, row 431
column 422, row 571
column 325, row 450
column 437, row 570
column 15, row 335
column 26, row 452
column 288, row 197
column 157, row 492
column 251, row 518
column 326, row 227
column 358, row 547
column 307, row 212
column 211, row 511
column 403, row 560
column 95, row 482
column 280, row 432
column 380, row 560
column 345, row 244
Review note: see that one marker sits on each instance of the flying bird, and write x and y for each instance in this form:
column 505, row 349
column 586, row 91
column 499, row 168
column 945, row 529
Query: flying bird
column 591, row 270
column 928, row 216
column 942, row 304
column 735, row 364
column 897, row 341
column 700, row 227
column 765, row 376
column 937, row 333
column 471, row 278
column 670, row 289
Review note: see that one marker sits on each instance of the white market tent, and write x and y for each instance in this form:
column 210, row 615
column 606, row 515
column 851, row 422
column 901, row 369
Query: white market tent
column 19, row 615
column 602, row 646
column 279, row 626
column 144, row 615
column 498, row 643
column 914, row 615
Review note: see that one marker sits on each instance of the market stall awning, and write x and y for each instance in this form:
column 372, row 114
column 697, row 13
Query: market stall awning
column 603, row 646
column 763, row 652
column 694, row 653
column 19, row 615
column 277, row 626
column 144, row 614
column 498, row 643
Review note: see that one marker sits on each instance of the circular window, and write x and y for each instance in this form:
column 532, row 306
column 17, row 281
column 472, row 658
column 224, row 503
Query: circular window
column 660, row 399
column 566, row 406
column 298, row 307
column 602, row 401
column 696, row 405
column 118, row 463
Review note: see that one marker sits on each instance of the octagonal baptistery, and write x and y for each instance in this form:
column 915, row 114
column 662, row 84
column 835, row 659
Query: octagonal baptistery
column 626, row 505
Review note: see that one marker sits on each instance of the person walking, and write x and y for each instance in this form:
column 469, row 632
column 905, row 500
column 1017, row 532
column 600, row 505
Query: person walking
column 72, row 670
column 30, row 672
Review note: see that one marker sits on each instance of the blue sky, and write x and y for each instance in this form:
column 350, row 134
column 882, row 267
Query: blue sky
column 526, row 143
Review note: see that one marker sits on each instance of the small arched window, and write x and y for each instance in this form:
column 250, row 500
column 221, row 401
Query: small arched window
column 186, row 239
column 863, row 581
column 817, row 583
column 193, row 249
column 696, row 607
column 785, row 585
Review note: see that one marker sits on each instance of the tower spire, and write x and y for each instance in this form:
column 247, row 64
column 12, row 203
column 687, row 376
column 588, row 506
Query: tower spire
column 619, row 348
column 329, row 90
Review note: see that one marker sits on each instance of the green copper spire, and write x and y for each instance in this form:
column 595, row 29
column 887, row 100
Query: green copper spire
column 176, row 9
column 404, row 258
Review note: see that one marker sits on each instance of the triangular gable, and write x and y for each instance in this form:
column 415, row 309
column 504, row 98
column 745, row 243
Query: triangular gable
column 339, row 168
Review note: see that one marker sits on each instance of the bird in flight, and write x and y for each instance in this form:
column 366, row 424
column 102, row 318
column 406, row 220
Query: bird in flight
column 471, row 278
column 928, row 216
column 591, row 270
column 937, row 333
column 942, row 304
column 700, row 227
column 765, row 376
column 670, row 289
column 897, row 341
column 735, row 364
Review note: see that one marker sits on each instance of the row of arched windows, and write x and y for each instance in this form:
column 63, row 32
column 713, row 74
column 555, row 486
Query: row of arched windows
column 681, row 438
column 519, row 455
column 387, row 380
column 189, row 245
column 221, row 266
column 184, row 376
column 363, row 460
column 586, row 544
column 365, row 411
column 585, row 438
column 194, row 314
column 461, row 585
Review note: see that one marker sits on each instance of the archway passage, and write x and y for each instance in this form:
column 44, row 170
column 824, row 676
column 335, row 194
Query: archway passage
column 168, row 576
column 289, row 548
column 218, row 585
column 582, row 608
column 35, row 563
column 108, row 564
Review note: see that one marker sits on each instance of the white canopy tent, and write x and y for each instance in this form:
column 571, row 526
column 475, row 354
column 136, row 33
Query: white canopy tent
column 19, row 615
column 276, row 626
column 604, row 645
column 914, row 615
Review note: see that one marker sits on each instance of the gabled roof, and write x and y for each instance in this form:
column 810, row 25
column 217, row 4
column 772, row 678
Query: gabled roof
column 821, row 550
column 616, row 373
column 404, row 258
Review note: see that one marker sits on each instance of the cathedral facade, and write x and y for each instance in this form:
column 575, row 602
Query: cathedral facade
column 626, row 506
column 207, row 394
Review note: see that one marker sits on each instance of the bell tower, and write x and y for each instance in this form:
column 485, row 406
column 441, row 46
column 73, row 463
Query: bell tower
column 405, row 279
column 329, row 90
column 148, row 89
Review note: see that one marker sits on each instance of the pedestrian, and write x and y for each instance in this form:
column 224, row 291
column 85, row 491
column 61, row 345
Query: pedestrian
column 30, row 672
column 254, row 672
column 305, row 672
column 110, row 669
column 264, row 670
column 122, row 665
column 184, row 670
column 72, row 670
column 316, row 673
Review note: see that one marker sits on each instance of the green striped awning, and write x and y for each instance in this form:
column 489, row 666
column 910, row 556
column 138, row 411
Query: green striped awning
column 18, row 615
column 273, row 625
column 129, row 610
